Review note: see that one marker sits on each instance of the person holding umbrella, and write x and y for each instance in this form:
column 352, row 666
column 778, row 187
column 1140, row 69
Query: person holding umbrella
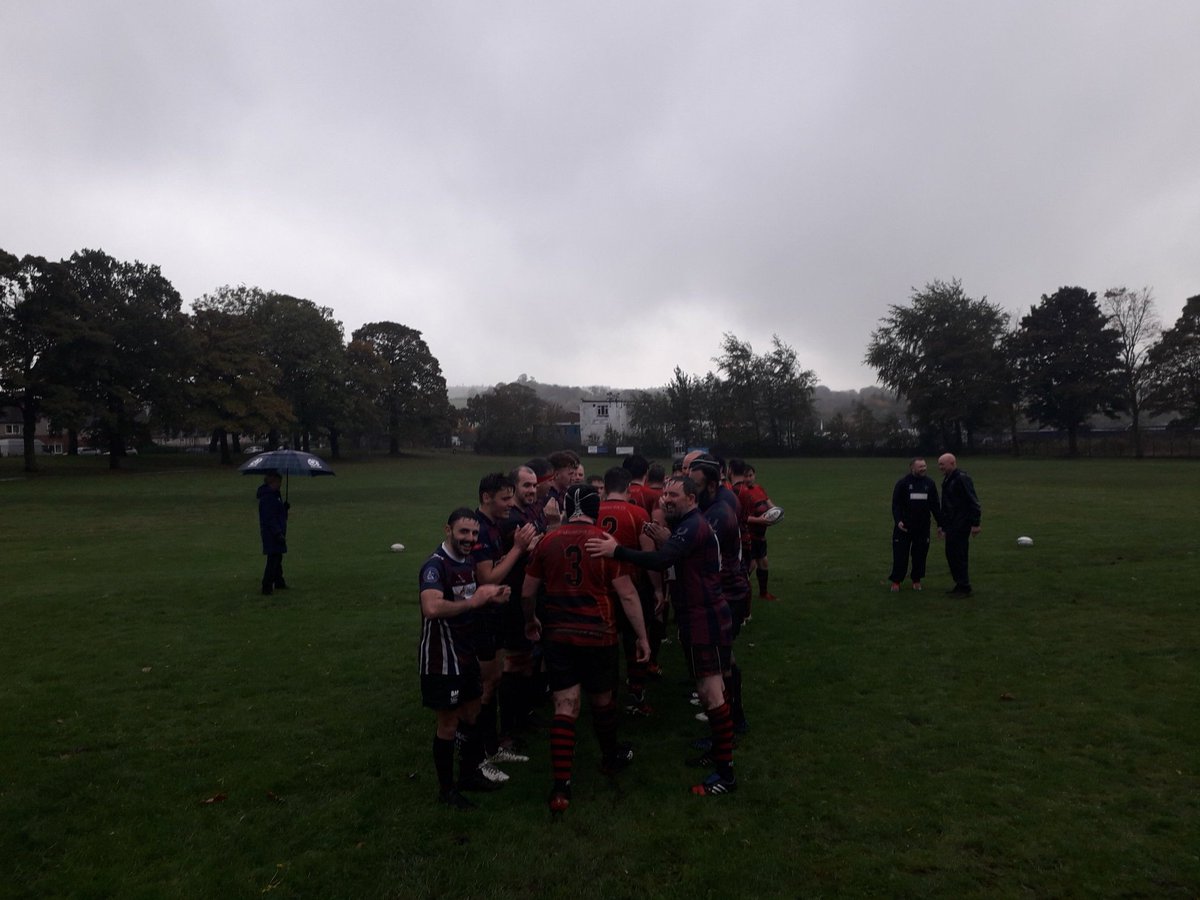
column 272, row 525
column 273, row 508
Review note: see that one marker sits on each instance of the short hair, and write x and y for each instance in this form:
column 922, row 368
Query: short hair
column 677, row 465
column 915, row 460
column 617, row 479
column 463, row 512
column 515, row 473
column 541, row 467
column 596, row 481
column 737, row 466
column 636, row 465
column 656, row 473
column 686, row 484
column 564, row 459
column 494, row 483
column 581, row 498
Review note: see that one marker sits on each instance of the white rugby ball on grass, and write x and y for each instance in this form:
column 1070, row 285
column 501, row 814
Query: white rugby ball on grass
column 1024, row 541
column 397, row 548
column 773, row 515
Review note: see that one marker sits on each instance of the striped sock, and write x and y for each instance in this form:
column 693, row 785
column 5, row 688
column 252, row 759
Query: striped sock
column 562, row 748
column 721, row 722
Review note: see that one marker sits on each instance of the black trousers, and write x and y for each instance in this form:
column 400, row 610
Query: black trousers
column 958, row 547
column 904, row 545
column 273, row 573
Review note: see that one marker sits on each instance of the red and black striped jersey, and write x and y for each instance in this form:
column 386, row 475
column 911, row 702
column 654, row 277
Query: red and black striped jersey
column 577, row 607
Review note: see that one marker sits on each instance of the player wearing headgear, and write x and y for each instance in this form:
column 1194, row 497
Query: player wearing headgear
column 577, row 623
column 701, row 613
column 626, row 521
column 450, row 678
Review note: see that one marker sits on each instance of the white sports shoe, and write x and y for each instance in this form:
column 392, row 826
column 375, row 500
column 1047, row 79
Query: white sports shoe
column 491, row 773
column 507, row 755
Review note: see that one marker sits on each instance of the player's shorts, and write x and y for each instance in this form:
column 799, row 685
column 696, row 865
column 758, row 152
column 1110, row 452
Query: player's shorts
column 513, row 638
column 704, row 660
column 444, row 692
column 758, row 547
column 567, row 665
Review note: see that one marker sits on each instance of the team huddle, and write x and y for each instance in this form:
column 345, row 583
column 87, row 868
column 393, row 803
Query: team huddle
column 541, row 586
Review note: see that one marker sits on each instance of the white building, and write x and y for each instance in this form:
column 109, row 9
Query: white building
column 600, row 417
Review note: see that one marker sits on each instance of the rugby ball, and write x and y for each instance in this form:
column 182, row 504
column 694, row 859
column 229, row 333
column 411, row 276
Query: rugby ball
column 1024, row 541
column 773, row 515
column 397, row 548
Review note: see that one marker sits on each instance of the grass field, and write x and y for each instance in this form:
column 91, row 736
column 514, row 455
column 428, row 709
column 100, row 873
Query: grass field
column 1039, row 739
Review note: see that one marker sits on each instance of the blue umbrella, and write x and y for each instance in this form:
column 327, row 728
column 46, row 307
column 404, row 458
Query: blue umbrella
column 287, row 463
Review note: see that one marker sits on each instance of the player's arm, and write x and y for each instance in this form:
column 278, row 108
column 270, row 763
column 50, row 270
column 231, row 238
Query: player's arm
column 493, row 571
column 656, row 560
column 529, row 592
column 646, row 542
column 898, row 503
column 623, row 585
column 434, row 604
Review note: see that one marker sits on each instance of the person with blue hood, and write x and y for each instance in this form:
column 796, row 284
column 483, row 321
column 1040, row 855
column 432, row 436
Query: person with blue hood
column 272, row 525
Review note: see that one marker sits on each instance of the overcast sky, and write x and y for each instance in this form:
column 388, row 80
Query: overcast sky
column 591, row 193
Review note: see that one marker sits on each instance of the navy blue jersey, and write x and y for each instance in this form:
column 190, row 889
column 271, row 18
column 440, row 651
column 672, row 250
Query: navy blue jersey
column 701, row 612
column 914, row 499
column 721, row 513
column 518, row 516
column 490, row 547
column 446, row 643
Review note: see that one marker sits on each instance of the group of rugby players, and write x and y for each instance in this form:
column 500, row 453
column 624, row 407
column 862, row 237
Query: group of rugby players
column 537, row 587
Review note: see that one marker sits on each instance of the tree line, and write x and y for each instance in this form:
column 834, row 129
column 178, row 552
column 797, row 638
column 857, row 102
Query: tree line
column 966, row 367
column 103, row 347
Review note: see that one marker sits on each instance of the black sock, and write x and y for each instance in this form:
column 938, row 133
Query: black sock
column 509, row 696
column 443, row 762
column 762, row 580
column 604, row 722
column 470, row 749
column 486, row 722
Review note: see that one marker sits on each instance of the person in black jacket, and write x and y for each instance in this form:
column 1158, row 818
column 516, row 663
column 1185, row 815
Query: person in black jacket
column 914, row 500
column 959, row 522
column 272, row 525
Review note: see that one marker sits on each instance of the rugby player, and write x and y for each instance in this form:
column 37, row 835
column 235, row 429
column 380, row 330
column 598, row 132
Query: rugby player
column 578, row 624
column 450, row 677
column 625, row 520
column 494, row 559
column 702, row 615
column 720, row 509
column 756, row 502
column 517, row 691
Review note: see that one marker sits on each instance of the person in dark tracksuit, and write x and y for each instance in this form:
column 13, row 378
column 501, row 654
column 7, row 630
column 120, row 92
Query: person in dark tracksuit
column 959, row 522
column 914, row 500
column 272, row 525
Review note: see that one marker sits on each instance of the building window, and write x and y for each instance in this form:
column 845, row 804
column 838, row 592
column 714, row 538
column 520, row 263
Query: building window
column 20, row 429
column 602, row 411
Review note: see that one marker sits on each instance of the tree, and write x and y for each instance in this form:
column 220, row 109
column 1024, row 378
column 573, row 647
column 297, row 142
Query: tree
column 1175, row 361
column 234, row 388
column 1132, row 315
column 511, row 418
column 132, row 350
column 942, row 354
column 413, row 396
column 1069, row 357
column 36, row 321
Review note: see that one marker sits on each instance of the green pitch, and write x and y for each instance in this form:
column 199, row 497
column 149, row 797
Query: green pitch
column 1038, row 739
